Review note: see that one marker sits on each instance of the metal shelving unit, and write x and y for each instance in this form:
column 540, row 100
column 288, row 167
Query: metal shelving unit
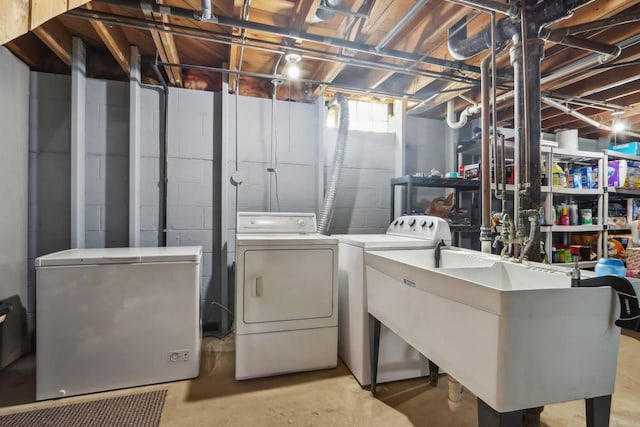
column 552, row 194
column 409, row 182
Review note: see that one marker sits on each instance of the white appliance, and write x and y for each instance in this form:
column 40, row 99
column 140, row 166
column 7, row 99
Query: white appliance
column 115, row 318
column 397, row 360
column 286, row 295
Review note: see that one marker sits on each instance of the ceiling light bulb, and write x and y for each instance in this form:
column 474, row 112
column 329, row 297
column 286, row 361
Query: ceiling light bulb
column 293, row 71
column 619, row 126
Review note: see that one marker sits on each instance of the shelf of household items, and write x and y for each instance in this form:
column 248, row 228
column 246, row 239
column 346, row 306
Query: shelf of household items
column 571, row 228
column 620, row 155
column 572, row 156
column 625, row 191
column 572, row 191
column 437, row 182
column 463, row 228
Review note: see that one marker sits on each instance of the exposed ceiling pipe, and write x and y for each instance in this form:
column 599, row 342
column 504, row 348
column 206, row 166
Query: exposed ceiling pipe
column 262, row 45
column 581, row 43
column 464, row 114
column 337, row 86
column 401, row 23
column 327, row 9
column 489, row 5
column 245, row 16
column 300, row 35
column 601, row 23
column 543, row 14
column 207, row 12
column 583, row 117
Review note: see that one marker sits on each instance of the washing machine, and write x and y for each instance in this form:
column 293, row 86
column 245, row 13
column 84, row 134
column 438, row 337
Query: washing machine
column 397, row 359
column 286, row 295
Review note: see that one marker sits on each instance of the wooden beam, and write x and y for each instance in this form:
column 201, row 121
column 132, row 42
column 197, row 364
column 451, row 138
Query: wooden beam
column 57, row 38
column 43, row 10
column 115, row 40
column 14, row 19
column 304, row 13
column 25, row 53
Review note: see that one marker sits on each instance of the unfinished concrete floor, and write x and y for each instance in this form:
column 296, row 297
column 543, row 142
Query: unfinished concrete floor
column 321, row 398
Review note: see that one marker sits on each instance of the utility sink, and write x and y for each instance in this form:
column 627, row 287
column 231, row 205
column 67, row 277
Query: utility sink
column 518, row 336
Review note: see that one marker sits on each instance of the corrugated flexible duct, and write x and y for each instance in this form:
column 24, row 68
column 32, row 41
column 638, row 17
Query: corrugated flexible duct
column 338, row 162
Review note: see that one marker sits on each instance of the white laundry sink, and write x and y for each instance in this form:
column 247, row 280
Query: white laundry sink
column 518, row 336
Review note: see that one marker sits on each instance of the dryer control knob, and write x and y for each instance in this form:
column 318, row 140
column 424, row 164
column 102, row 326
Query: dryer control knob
column 412, row 222
column 395, row 222
column 301, row 222
column 431, row 224
column 423, row 224
column 401, row 222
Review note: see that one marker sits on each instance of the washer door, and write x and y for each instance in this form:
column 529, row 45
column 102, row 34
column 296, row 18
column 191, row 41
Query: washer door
column 287, row 284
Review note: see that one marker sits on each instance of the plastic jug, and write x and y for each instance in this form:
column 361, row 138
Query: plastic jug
column 610, row 266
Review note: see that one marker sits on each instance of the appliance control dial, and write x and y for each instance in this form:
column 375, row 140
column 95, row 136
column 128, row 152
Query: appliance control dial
column 396, row 222
column 412, row 222
column 301, row 222
column 431, row 224
column 424, row 223
column 401, row 221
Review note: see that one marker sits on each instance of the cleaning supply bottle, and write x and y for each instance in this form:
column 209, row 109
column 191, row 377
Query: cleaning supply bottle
column 557, row 176
column 610, row 266
column 564, row 218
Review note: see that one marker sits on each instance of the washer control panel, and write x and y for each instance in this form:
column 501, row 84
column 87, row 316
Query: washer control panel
column 421, row 227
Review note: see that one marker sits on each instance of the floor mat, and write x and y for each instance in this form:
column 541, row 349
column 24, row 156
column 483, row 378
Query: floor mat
column 139, row 410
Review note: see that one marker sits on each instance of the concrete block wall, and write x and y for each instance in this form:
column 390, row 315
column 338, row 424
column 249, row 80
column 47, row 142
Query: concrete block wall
column 297, row 142
column 363, row 199
column 49, row 171
column 151, row 189
column 14, row 159
column 426, row 146
column 190, row 192
column 107, row 164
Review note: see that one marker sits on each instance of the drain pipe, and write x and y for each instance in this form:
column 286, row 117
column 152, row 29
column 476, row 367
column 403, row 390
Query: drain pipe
column 485, row 163
column 338, row 161
column 164, row 161
column 207, row 12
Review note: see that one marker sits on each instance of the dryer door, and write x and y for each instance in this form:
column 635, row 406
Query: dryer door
column 287, row 284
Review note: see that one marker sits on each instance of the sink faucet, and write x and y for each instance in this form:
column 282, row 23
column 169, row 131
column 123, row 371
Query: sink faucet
column 513, row 237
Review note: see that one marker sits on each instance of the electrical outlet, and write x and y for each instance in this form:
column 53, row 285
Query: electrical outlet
column 179, row 356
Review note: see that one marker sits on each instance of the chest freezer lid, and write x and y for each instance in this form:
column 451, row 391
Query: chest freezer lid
column 95, row 256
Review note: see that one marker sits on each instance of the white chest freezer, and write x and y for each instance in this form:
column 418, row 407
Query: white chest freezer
column 115, row 318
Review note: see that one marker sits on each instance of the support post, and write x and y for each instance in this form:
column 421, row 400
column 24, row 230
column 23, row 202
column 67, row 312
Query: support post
column 227, row 197
column 78, row 104
column 134, row 147
column 598, row 411
column 374, row 340
column 489, row 417
column 399, row 112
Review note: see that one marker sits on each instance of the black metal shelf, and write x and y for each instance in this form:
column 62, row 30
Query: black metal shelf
column 436, row 182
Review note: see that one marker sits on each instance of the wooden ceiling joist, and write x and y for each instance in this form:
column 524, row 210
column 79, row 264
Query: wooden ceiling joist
column 166, row 48
column 57, row 38
column 305, row 10
column 115, row 40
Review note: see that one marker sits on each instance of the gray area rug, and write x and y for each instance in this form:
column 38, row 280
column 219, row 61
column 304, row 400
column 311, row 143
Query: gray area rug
column 136, row 410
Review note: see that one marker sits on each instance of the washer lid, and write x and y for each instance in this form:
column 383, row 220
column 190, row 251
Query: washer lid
column 383, row 241
column 284, row 239
column 94, row 256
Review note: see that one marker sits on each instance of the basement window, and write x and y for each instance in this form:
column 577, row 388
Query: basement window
column 364, row 116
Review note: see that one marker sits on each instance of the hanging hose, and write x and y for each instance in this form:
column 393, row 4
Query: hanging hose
column 338, row 161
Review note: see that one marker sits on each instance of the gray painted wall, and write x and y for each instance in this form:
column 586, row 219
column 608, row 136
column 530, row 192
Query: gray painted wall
column 427, row 148
column 297, row 144
column 14, row 122
column 363, row 196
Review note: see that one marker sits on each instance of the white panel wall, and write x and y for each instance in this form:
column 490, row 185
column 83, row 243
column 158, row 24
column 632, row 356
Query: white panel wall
column 363, row 197
column 14, row 123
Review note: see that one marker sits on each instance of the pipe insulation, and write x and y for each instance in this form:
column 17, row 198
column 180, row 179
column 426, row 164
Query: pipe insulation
column 326, row 213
